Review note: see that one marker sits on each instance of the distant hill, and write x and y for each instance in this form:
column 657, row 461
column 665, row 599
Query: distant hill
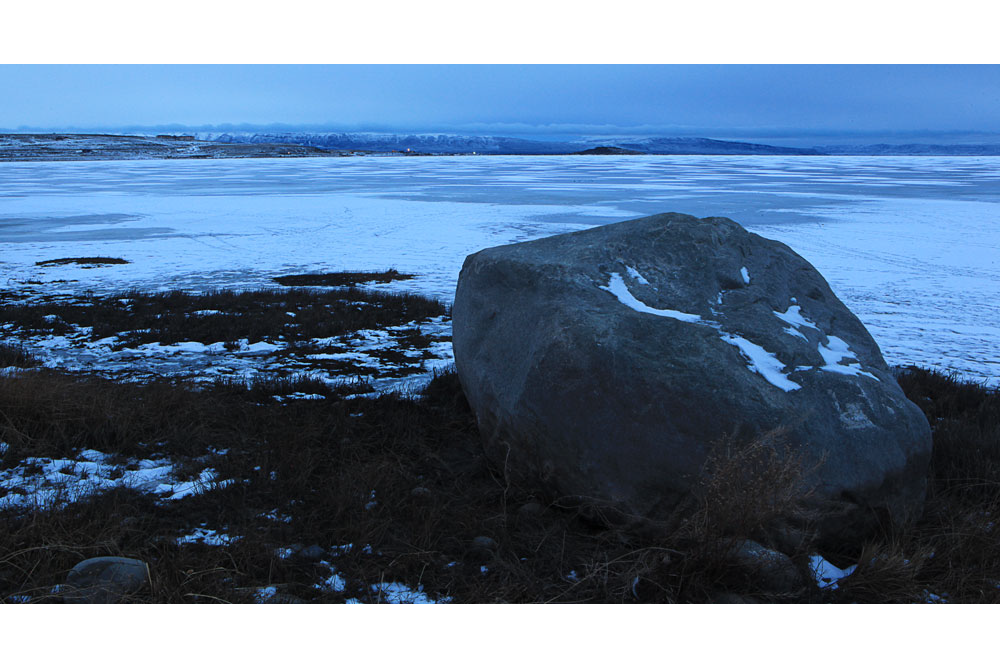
column 701, row 146
column 455, row 144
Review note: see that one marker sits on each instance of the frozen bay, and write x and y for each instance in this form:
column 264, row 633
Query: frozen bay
column 910, row 244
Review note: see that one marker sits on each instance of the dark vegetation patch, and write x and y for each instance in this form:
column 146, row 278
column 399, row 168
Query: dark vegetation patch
column 952, row 551
column 220, row 316
column 270, row 388
column 341, row 278
column 15, row 354
column 82, row 261
column 965, row 418
column 404, row 482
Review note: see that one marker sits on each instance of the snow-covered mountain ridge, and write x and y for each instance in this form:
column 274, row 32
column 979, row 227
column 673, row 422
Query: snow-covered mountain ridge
column 443, row 143
column 214, row 144
column 491, row 145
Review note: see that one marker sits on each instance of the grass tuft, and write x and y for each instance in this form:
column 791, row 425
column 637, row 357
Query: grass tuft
column 341, row 278
column 749, row 488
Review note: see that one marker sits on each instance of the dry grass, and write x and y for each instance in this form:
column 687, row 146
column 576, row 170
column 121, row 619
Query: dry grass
column 341, row 278
column 317, row 463
column 220, row 316
column 17, row 355
column 82, row 260
column 750, row 490
column 952, row 552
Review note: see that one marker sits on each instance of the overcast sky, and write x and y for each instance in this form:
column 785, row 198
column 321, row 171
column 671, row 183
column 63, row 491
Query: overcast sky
column 749, row 101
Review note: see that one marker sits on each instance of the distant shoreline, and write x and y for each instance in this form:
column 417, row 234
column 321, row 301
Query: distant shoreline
column 62, row 147
column 83, row 147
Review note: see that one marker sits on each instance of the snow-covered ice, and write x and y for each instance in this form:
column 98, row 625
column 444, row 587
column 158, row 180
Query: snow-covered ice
column 910, row 244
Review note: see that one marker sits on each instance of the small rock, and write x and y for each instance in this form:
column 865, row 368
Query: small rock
column 105, row 579
column 313, row 552
column 772, row 570
column 483, row 542
column 731, row 598
column 482, row 549
column 284, row 598
column 420, row 493
column 270, row 595
column 790, row 539
column 531, row 509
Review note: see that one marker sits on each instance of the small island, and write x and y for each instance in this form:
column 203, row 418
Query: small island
column 609, row 150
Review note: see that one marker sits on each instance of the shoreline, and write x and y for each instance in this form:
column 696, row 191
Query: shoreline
column 101, row 147
column 73, row 147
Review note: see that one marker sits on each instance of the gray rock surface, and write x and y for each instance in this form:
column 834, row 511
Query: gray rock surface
column 772, row 570
column 105, row 580
column 603, row 364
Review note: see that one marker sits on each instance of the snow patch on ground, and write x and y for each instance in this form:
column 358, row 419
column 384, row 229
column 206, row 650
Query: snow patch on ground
column 46, row 482
column 826, row 573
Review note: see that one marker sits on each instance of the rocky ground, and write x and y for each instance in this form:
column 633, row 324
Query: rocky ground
column 44, row 147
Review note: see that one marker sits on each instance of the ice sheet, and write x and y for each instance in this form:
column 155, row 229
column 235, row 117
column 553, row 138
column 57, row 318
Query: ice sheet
column 910, row 244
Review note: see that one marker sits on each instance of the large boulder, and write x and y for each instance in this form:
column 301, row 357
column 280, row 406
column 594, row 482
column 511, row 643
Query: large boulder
column 604, row 363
